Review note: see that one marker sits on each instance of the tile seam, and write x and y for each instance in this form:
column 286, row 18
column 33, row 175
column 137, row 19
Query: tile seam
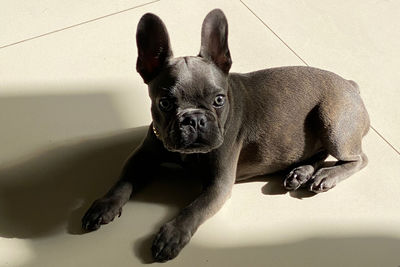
column 384, row 139
column 273, row 32
column 77, row 25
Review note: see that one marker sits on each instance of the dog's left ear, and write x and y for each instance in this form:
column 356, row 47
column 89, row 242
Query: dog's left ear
column 153, row 45
column 214, row 40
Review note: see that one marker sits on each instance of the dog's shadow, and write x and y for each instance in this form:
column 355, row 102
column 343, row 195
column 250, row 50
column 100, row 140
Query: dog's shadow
column 274, row 185
column 43, row 192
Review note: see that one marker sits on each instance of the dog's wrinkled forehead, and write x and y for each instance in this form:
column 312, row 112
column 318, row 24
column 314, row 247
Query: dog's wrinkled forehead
column 191, row 77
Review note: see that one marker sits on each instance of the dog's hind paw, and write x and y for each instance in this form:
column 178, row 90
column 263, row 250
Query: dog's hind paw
column 321, row 181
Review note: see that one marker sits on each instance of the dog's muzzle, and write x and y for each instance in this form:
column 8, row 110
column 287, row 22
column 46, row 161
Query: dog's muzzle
column 194, row 131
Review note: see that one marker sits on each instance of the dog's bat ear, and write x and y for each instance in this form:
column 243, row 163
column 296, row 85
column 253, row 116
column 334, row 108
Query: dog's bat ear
column 153, row 45
column 214, row 40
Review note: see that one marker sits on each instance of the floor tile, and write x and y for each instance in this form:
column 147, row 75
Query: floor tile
column 26, row 19
column 358, row 39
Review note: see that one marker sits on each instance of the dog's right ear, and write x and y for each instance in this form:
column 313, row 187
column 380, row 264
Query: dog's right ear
column 214, row 40
column 153, row 45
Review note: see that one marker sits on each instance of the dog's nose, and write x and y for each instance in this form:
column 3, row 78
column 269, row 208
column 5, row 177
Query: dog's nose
column 196, row 120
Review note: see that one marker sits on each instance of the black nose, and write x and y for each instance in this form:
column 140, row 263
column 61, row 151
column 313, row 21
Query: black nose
column 196, row 120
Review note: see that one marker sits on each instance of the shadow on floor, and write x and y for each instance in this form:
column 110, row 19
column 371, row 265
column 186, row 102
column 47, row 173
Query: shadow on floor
column 51, row 187
column 350, row 251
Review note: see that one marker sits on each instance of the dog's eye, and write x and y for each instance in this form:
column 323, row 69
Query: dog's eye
column 219, row 101
column 165, row 104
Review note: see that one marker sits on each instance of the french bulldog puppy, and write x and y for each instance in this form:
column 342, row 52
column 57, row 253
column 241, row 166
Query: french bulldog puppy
column 228, row 127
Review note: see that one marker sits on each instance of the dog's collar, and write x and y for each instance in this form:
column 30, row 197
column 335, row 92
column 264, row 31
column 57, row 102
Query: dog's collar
column 156, row 133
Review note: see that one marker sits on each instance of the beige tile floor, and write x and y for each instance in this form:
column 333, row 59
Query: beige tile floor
column 72, row 107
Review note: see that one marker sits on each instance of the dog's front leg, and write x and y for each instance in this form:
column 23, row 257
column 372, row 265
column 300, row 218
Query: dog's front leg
column 175, row 234
column 134, row 175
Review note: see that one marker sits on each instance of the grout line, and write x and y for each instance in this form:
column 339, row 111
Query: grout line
column 269, row 28
column 78, row 24
column 384, row 139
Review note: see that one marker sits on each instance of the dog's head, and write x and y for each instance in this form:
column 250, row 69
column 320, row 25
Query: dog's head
column 190, row 101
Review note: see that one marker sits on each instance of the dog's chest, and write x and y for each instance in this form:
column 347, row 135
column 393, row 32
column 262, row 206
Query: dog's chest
column 253, row 161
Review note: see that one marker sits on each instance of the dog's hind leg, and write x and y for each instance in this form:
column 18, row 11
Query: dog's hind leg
column 344, row 123
column 326, row 178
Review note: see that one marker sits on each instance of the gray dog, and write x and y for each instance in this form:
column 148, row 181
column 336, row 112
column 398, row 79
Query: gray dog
column 228, row 127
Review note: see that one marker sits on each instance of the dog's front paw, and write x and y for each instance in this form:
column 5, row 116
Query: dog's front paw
column 298, row 177
column 169, row 242
column 101, row 212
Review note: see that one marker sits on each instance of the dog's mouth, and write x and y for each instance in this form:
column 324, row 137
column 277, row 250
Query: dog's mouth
column 195, row 147
column 188, row 141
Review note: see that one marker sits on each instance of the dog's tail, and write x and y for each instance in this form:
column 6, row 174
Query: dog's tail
column 355, row 85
